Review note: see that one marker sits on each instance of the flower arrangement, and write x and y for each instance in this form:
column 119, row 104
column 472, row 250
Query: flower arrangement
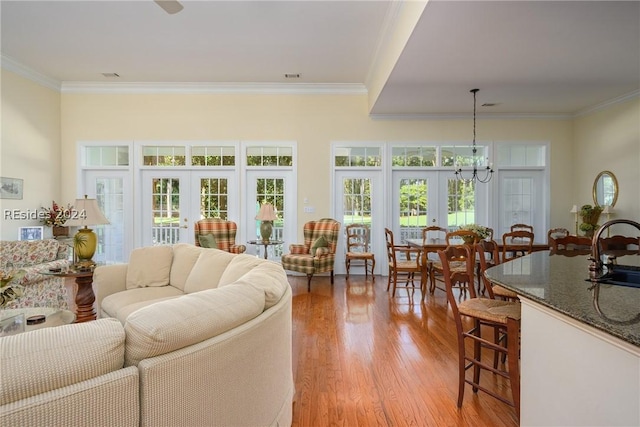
column 480, row 230
column 55, row 216
column 590, row 215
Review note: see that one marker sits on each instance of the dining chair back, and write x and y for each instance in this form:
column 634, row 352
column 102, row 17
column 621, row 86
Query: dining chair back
column 525, row 227
column 357, row 239
column 488, row 254
column 403, row 260
column 516, row 243
column 556, row 233
column 571, row 245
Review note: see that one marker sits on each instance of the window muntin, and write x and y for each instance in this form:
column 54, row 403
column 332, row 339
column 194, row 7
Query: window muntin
column 357, row 201
column 213, row 156
column 462, row 156
column 461, row 203
column 114, row 155
column 214, row 199
column 164, row 155
column 357, row 157
column 525, row 155
column 270, row 156
column 423, row 156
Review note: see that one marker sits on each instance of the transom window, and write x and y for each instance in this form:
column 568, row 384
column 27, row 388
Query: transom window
column 164, row 155
column 357, row 157
column 269, row 156
column 117, row 155
column 213, row 156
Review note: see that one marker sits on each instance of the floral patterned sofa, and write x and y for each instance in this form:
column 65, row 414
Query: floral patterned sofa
column 32, row 257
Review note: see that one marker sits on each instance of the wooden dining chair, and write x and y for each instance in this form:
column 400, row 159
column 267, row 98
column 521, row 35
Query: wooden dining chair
column 556, row 233
column 357, row 240
column 516, row 243
column 501, row 318
column 617, row 246
column 403, row 260
column 452, row 238
column 571, row 245
column 488, row 253
column 525, row 227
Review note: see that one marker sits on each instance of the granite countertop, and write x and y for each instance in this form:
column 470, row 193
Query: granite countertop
column 559, row 282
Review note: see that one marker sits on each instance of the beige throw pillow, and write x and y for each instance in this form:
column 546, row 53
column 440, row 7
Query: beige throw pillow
column 207, row 270
column 149, row 266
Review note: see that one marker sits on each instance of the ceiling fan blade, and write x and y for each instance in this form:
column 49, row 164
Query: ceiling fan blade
column 170, row 6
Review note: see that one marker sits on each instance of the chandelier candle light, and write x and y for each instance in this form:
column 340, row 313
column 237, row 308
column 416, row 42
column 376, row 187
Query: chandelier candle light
column 267, row 215
column 85, row 240
column 474, row 151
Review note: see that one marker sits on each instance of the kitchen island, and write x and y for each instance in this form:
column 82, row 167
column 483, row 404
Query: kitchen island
column 580, row 342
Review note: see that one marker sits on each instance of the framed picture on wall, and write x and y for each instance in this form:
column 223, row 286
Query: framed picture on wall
column 30, row 233
column 11, row 188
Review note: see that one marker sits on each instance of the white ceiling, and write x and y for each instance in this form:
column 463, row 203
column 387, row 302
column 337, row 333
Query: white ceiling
column 529, row 57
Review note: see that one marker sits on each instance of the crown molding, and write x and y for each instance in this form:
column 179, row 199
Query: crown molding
column 14, row 66
column 217, row 88
column 607, row 104
column 481, row 116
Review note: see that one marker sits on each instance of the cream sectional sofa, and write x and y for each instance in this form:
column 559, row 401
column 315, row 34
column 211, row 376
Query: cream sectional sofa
column 207, row 333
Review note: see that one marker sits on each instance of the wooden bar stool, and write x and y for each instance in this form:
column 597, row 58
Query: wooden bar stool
column 501, row 317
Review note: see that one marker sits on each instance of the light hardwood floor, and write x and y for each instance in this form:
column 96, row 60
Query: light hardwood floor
column 363, row 358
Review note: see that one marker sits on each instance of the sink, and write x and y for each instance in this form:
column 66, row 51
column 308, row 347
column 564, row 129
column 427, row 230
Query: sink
column 621, row 276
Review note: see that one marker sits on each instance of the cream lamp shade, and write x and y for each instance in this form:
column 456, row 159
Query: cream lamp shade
column 267, row 214
column 86, row 212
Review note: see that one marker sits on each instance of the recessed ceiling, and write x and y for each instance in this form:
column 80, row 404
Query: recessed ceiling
column 528, row 57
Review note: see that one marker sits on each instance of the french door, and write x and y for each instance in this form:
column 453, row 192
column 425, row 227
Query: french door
column 278, row 188
column 114, row 193
column 358, row 199
column 174, row 200
column 416, row 204
column 165, row 207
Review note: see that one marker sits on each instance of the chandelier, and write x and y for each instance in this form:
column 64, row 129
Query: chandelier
column 488, row 171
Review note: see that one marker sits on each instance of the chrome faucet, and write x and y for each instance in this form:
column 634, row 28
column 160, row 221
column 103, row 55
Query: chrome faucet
column 596, row 266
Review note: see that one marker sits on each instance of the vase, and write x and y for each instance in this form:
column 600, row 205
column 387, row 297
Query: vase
column 265, row 230
column 60, row 231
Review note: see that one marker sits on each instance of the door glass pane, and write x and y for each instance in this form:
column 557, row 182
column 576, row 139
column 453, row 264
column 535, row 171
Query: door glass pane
column 357, row 201
column 461, row 202
column 413, row 208
column 111, row 239
column 518, row 201
column 271, row 190
column 214, row 198
column 165, row 211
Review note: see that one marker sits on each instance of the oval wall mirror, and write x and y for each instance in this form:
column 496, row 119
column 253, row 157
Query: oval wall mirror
column 605, row 189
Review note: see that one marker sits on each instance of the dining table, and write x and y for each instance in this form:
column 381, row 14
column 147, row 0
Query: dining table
column 433, row 245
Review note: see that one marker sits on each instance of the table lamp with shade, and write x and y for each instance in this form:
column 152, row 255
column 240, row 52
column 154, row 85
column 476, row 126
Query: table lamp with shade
column 86, row 213
column 267, row 215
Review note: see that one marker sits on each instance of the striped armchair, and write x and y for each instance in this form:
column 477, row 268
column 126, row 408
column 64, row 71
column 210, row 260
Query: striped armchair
column 318, row 253
column 223, row 231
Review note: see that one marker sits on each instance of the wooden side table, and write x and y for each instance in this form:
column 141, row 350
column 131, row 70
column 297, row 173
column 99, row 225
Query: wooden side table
column 85, row 296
